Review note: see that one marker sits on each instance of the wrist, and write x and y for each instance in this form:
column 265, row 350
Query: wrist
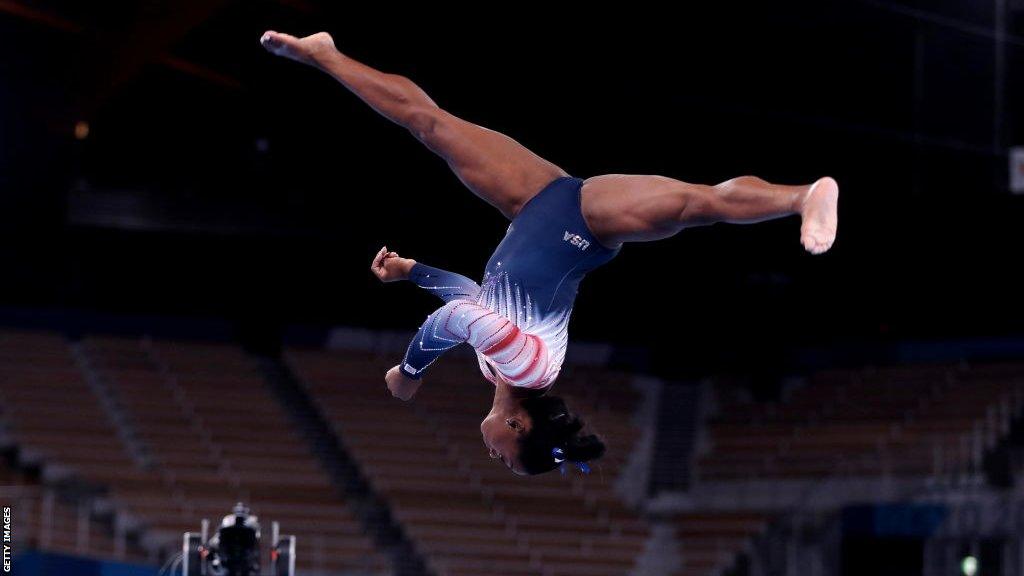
column 406, row 374
column 407, row 267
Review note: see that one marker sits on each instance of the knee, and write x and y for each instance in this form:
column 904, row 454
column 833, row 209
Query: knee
column 424, row 122
column 734, row 184
column 700, row 205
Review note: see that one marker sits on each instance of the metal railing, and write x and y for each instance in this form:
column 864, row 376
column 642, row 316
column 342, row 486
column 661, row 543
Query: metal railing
column 36, row 513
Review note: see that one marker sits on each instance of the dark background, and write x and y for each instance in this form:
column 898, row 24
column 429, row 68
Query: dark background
column 219, row 181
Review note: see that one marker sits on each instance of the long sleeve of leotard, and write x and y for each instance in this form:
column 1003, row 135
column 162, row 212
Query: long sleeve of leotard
column 521, row 359
column 445, row 285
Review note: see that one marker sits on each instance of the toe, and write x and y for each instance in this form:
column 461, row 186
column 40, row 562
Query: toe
column 817, row 241
column 813, row 244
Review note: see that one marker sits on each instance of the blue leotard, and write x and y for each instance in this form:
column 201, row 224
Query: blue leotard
column 517, row 320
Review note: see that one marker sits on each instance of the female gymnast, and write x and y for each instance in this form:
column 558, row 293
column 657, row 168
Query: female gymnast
column 561, row 228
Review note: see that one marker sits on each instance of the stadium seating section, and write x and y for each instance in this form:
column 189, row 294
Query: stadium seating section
column 923, row 421
column 172, row 432
column 177, row 432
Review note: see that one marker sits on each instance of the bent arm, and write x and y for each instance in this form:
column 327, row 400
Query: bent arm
column 521, row 359
column 445, row 285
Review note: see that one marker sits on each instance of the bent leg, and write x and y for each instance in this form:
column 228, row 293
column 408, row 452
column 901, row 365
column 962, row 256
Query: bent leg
column 625, row 208
column 493, row 166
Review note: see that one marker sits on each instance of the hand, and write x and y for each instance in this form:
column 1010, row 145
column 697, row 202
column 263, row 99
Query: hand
column 400, row 385
column 389, row 266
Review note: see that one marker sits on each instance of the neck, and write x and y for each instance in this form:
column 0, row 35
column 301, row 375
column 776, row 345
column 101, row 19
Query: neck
column 507, row 397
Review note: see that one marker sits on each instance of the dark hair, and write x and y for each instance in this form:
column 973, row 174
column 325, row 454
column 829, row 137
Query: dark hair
column 554, row 427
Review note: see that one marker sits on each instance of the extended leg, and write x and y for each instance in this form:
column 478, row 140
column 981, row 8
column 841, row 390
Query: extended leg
column 495, row 167
column 624, row 208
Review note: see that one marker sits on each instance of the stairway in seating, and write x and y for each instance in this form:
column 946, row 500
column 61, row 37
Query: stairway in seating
column 678, row 424
column 111, row 406
column 366, row 505
column 216, row 436
column 467, row 514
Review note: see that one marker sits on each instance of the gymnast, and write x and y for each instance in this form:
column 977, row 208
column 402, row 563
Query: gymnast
column 561, row 228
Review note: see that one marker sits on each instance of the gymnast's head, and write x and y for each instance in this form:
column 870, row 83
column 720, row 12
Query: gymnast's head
column 524, row 431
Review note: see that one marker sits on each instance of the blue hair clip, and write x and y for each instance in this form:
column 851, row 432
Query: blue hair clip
column 559, row 455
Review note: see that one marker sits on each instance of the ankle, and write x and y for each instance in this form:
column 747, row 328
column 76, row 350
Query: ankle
column 323, row 56
column 803, row 195
column 314, row 57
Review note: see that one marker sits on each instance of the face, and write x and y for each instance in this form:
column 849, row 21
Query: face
column 501, row 439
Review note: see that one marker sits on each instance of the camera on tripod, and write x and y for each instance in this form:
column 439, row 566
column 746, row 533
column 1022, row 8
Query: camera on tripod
column 234, row 549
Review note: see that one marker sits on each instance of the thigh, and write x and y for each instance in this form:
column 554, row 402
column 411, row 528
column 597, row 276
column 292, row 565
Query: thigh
column 638, row 208
column 501, row 171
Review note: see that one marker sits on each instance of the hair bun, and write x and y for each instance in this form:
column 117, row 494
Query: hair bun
column 584, row 448
column 554, row 426
column 573, row 426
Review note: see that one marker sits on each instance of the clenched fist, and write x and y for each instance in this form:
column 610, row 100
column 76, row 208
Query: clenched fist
column 400, row 385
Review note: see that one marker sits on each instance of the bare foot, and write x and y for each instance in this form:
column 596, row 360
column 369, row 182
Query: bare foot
column 306, row 50
column 819, row 211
